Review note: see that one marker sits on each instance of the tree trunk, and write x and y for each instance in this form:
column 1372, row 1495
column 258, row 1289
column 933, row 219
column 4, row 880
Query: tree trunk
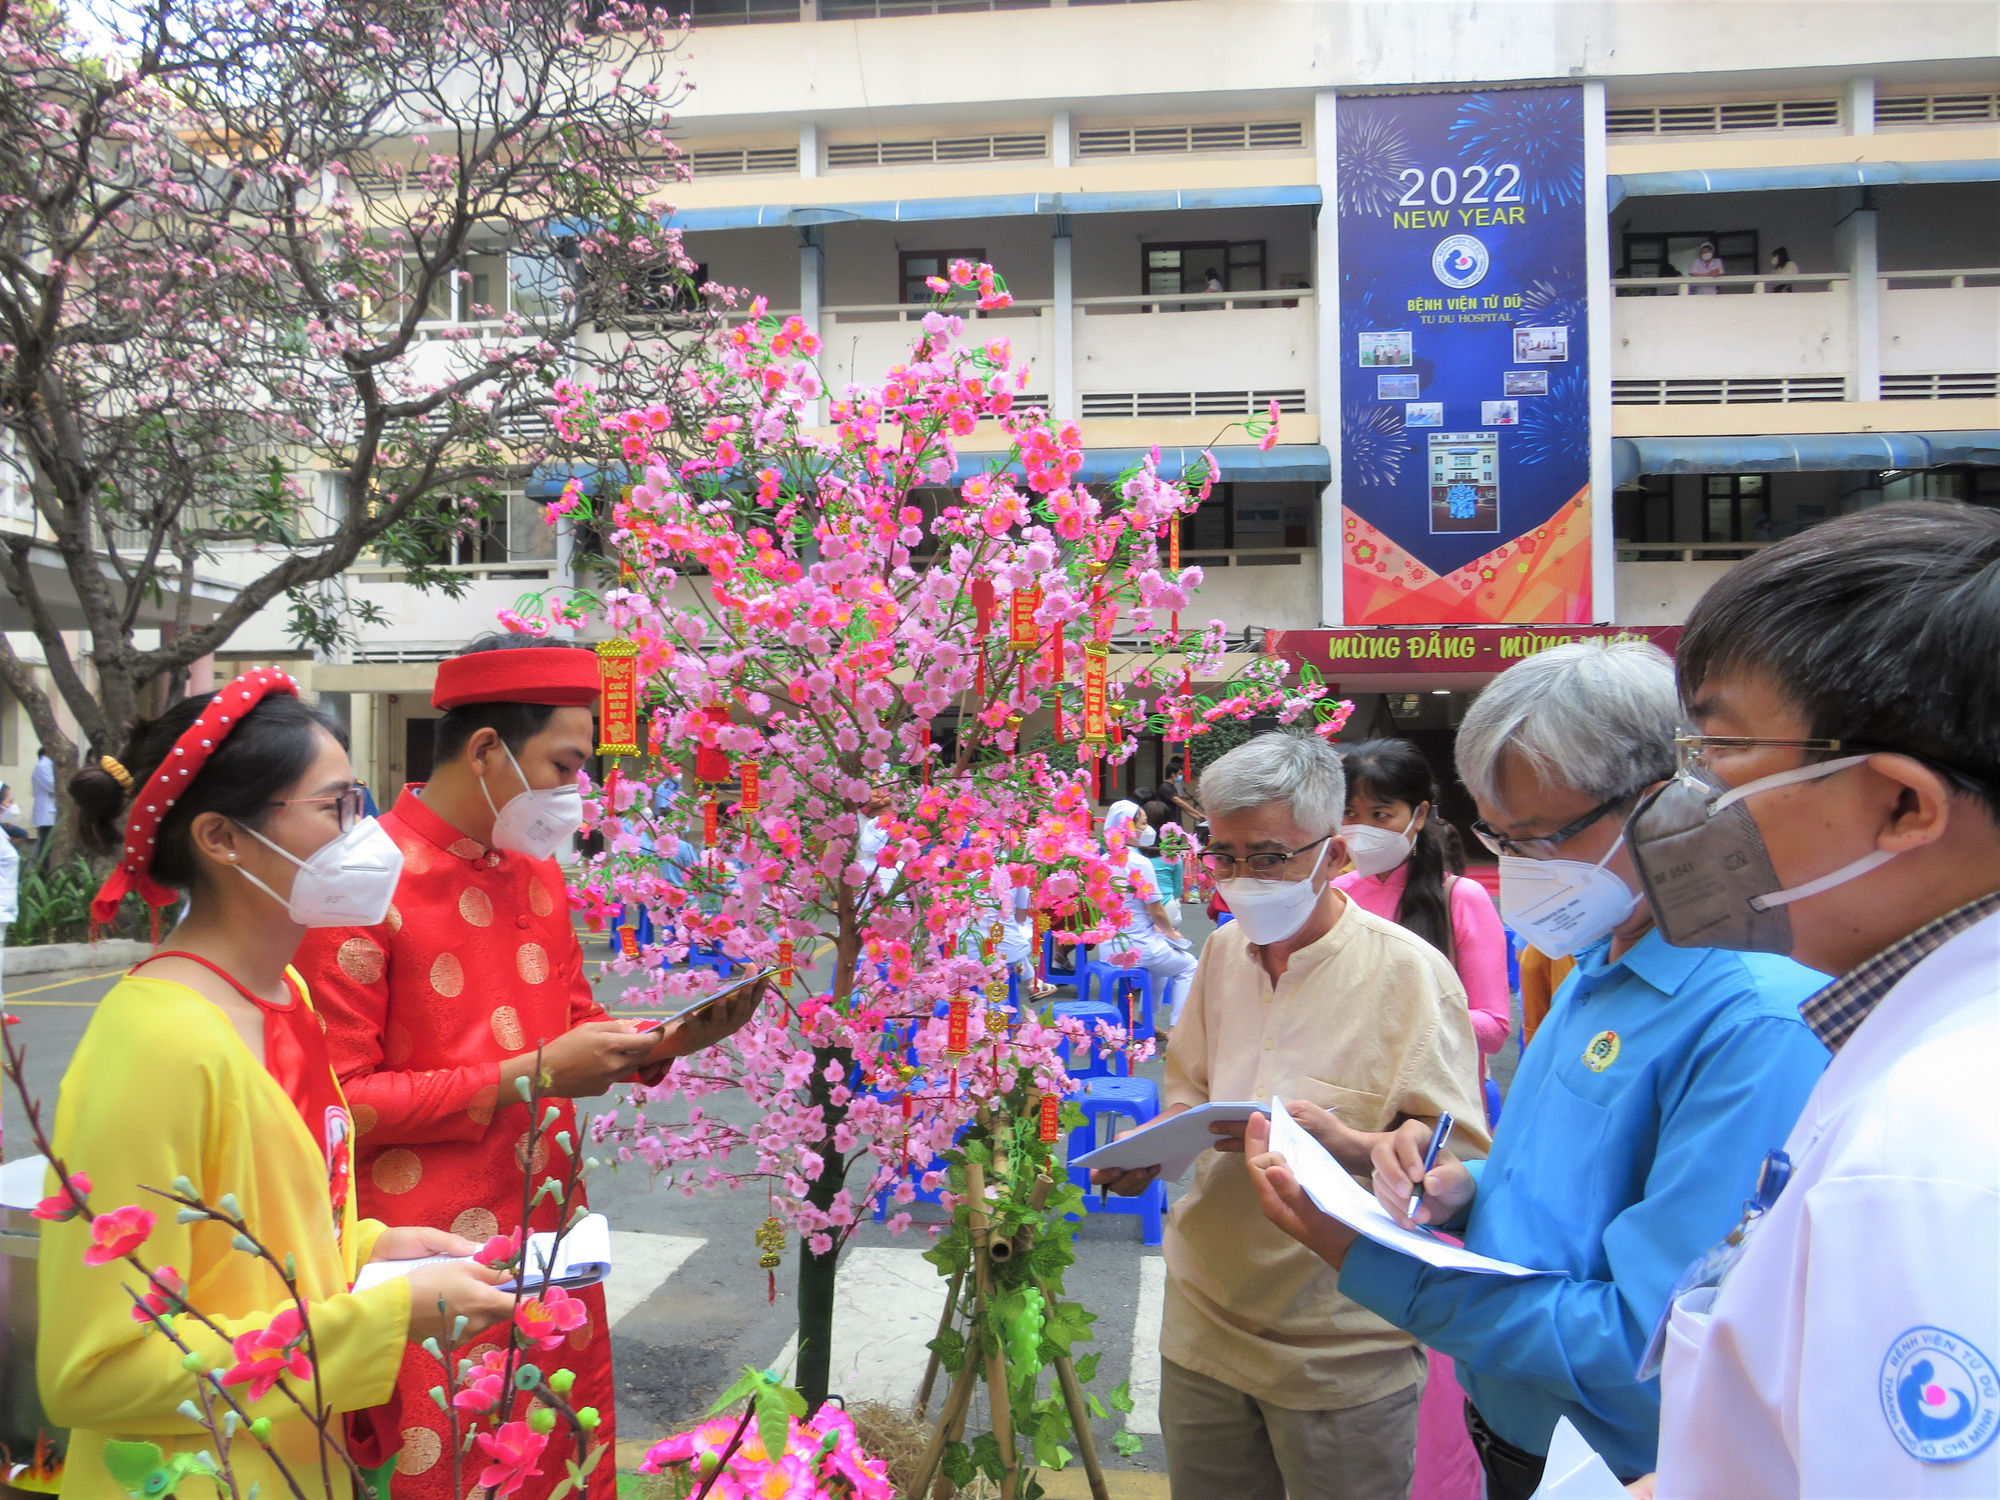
column 817, row 1272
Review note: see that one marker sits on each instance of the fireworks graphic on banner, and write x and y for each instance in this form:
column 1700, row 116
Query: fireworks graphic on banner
column 1372, row 443
column 1551, row 301
column 1533, row 129
column 1556, row 427
column 1372, row 152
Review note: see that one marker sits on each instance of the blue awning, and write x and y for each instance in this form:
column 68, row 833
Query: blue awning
column 1800, row 452
column 1242, row 463
column 1829, row 174
column 996, row 206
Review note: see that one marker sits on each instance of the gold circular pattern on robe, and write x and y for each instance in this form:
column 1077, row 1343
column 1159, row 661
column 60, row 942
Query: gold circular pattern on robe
column 540, row 901
column 506, row 1024
column 394, row 919
column 476, row 1224
column 532, row 1168
column 475, row 906
column 365, row 1119
column 397, row 1171
column 466, row 848
column 422, row 1448
column 532, row 963
column 448, row 976
column 416, row 857
column 361, row 961
column 483, row 1102
column 398, row 1047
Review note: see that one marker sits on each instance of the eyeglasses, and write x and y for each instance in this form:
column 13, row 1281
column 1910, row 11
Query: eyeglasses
column 1547, row 844
column 347, row 805
column 1262, row 865
column 1696, row 752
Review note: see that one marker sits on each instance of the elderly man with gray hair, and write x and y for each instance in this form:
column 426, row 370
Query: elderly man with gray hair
column 1272, row 1383
column 1637, row 1121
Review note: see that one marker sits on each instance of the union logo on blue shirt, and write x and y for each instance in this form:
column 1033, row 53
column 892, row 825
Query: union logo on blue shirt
column 1941, row 1396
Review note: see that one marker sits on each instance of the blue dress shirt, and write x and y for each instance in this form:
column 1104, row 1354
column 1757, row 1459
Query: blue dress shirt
column 1631, row 1138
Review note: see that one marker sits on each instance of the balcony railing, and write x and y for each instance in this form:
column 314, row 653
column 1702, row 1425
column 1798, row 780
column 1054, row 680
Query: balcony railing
column 1683, row 286
column 1687, row 551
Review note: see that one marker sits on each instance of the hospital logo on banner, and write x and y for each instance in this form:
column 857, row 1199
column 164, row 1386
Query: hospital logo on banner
column 1460, row 261
column 1941, row 1396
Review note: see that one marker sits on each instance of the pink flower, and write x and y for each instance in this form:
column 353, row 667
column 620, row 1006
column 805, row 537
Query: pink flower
column 266, row 1354
column 115, row 1235
column 479, row 1396
column 498, row 1250
column 547, row 1319
column 165, row 1297
column 511, row 1453
column 58, row 1207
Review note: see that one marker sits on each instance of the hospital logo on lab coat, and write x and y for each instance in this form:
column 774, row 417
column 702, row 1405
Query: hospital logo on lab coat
column 1941, row 1396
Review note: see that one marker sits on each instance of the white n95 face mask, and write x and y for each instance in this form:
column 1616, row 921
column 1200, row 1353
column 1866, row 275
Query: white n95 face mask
column 535, row 822
column 347, row 882
column 1561, row 905
column 1272, row 910
column 1377, row 851
column 1148, row 836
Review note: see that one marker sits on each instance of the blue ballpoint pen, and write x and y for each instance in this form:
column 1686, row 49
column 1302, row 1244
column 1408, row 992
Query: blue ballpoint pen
column 1438, row 1135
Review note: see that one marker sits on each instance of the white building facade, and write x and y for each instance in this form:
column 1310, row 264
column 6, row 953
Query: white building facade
column 1162, row 185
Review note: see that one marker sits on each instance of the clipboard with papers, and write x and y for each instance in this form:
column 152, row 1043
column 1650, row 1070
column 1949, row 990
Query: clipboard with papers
column 1173, row 1143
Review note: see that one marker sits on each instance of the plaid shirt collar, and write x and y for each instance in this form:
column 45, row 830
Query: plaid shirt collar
column 1838, row 1010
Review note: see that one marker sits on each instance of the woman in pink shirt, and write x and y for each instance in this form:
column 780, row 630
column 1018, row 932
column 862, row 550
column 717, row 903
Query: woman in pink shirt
column 1400, row 872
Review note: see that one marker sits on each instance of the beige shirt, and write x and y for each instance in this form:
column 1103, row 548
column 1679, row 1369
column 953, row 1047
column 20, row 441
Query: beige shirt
column 1369, row 1022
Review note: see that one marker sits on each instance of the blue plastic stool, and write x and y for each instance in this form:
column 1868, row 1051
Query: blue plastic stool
column 1074, row 979
column 711, row 958
column 1108, row 984
column 1514, row 947
column 1090, row 1012
column 1492, row 1104
column 1223, row 919
column 1134, row 1099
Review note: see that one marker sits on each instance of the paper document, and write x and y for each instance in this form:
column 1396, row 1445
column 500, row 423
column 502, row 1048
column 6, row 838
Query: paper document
column 1170, row 1144
column 1326, row 1182
column 1575, row 1471
column 583, row 1259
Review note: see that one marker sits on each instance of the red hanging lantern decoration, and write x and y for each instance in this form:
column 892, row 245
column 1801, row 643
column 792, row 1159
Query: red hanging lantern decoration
column 1051, row 1121
column 711, row 762
column 1023, row 634
column 925, row 733
column 958, row 1028
column 785, row 964
column 1174, row 567
column 750, row 779
column 628, row 942
column 710, row 819
column 984, row 602
column 1096, row 693
column 618, row 706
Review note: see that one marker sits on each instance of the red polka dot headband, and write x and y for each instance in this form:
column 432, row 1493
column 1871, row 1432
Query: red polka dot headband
column 180, row 766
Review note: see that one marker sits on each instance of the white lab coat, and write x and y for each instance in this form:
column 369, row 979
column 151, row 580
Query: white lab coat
column 1862, row 1323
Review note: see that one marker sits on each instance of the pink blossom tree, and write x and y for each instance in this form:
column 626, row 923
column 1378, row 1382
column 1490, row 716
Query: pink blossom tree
column 824, row 619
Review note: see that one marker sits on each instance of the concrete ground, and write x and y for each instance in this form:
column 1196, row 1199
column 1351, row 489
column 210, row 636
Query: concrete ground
column 688, row 1304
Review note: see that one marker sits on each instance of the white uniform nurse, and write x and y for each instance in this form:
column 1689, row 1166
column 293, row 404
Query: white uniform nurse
column 1842, row 804
column 1162, row 952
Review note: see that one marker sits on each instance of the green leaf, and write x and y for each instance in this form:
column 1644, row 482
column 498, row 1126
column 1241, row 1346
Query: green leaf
column 986, row 1456
column 950, row 1347
column 1086, row 1368
column 1127, row 1445
column 1095, row 1407
column 130, row 1463
column 958, row 1464
column 750, row 1381
column 774, row 1420
column 1121, row 1396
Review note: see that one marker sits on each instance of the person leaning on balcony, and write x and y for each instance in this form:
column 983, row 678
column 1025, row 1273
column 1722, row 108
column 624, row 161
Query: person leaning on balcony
column 1707, row 266
column 1272, row 1384
column 208, row 1062
column 1782, row 264
column 1638, row 1119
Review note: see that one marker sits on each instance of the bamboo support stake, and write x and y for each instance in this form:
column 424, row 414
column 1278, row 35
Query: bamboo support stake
column 998, row 1398
column 1079, row 1412
column 944, row 1324
column 955, row 1404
